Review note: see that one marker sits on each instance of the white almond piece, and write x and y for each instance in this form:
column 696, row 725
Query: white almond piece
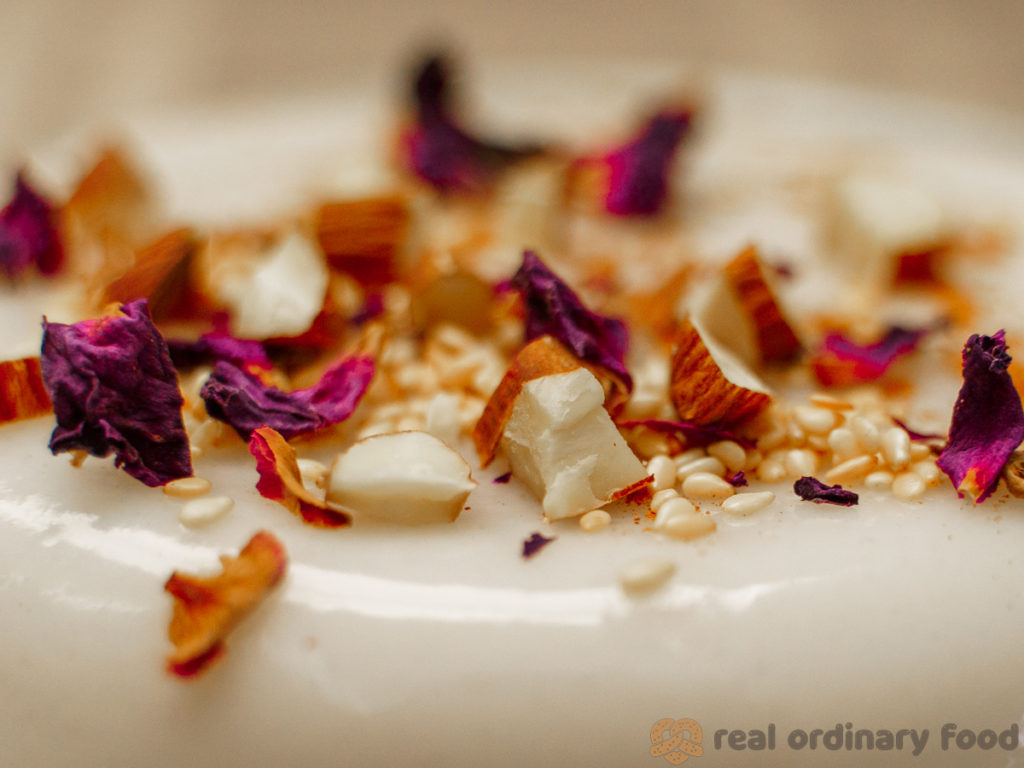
column 874, row 220
column 563, row 445
column 281, row 294
column 410, row 478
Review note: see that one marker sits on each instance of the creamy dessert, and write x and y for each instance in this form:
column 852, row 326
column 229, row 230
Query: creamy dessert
column 648, row 558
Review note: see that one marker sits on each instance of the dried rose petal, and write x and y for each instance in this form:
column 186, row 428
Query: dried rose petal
column 243, row 401
column 281, row 481
column 988, row 423
column 502, row 479
column 207, row 609
column 840, row 362
column 442, row 153
column 693, row 435
column 811, row 489
column 28, row 233
column 22, row 391
column 639, row 170
column 218, row 345
column 553, row 309
column 535, row 544
column 114, row 389
column 922, row 437
column 737, row 480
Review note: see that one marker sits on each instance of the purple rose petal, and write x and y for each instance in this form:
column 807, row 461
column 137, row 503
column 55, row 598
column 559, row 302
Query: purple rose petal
column 241, row 399
column 553, row 308
column 639, row 170
column 28, row 234
column 810, row 489
column 114, row 389
column 535, row 544
column 988, row 422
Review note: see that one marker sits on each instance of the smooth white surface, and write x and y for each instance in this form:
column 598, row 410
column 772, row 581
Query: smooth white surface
column 441, row 646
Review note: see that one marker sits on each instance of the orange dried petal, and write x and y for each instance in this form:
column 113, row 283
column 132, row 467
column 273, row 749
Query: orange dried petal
column 281, row 481
column 207, row 609
column 22, row 392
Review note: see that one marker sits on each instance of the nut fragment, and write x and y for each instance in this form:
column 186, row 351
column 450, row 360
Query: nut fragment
column 709, row 384
column 1013, row 473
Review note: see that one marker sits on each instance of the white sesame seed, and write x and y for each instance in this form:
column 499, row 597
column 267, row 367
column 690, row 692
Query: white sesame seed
column 748, row 503
column 795, row 434
column 928, row 471
column 866, row 433
column 800, row 463
column 814, row 420
column 688, row 527
column 843, row 443
column 919, row 451
column 646, row 575
column 704, row 485
column 880, row 480
column 772, row 439
column 770, row 471
column 595, row 520
column 896, row 448
column 660, row 497
column 831, row 402
column 686, row 457
column 753, row 459
column 709, row 465
column 908, row 486
column 664, row 471
column 730, row 453
column 199, row 512
column 818, row 443
column 851, row 469
column 188, row 487
column 442, row 418
column 671, row 508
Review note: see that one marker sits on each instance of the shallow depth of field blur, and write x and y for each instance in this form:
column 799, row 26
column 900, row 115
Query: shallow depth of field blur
column 66, row 63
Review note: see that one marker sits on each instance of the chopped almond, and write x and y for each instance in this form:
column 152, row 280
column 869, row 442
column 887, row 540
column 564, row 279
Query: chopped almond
column 158, row 274
column 363, row 237
column 709, row 385
column 207, row 609
column 22, row 392
column 541, row 357
column 741, row 312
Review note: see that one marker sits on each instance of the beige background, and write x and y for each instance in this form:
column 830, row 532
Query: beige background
column 65, row 62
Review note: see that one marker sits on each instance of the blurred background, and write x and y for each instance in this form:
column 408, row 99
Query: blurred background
column 65, row 63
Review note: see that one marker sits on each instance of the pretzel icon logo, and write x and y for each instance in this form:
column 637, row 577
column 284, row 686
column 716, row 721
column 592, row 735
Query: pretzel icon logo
column 668, row 739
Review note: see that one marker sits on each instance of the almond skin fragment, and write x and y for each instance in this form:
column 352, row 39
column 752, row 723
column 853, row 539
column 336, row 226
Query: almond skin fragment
column 22, row 392
column 775, row 338
column 705, row 393
column 363, row 237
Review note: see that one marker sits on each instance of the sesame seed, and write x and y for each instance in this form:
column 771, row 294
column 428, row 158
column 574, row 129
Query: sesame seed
column 908, row 486
column 851, row 469
column 748, row 503
column 188, row 487
column 595, row 520
column 704, row 485
column 664, row 471
column 688, row 526
column 646, row 575
column 671, row 508
column 200, row 512
column 730, row 453
column 814, row 420
column 709, row 465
